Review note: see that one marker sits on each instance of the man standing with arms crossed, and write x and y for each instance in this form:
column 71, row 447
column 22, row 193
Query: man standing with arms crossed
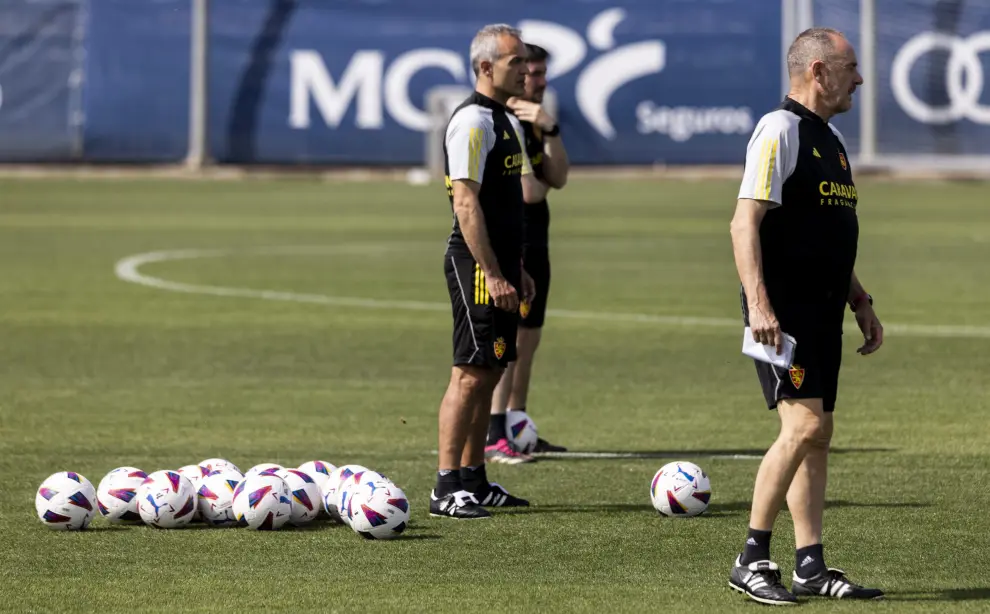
column 550, row 165
column 795, row 235
column 488, row 179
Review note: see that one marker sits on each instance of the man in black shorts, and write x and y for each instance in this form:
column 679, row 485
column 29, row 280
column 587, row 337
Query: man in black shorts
column 488, row 177
column 550, row 165
column 795, row 236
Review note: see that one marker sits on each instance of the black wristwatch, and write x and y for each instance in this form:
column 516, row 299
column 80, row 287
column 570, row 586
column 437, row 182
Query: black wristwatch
column 554, row 132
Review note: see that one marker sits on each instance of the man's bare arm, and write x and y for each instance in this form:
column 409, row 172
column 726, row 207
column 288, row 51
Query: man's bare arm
column 745, row 231
column 534, row 190
column 471, row 219
column 555, row 162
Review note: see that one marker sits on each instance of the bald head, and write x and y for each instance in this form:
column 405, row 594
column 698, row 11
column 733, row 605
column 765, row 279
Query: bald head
column 814, row 44
column 823, row 71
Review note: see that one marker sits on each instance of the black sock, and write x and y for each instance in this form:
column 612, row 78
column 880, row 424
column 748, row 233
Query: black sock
column 474, row 478
column 809, row 561
column 757, row 547
column 496, row 428
column 448, row 481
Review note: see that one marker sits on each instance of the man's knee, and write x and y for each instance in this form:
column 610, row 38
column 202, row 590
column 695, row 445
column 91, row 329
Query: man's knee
column 474, row 382
column 804, row 424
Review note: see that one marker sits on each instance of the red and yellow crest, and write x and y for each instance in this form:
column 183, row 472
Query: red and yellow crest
column 524, row 309
column 842, row 161
column 797, row 376
column 499, row 347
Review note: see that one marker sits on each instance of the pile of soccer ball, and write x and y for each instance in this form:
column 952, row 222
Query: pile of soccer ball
column 680, row 489
column 216, row 492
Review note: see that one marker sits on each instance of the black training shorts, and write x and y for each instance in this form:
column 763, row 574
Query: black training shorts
column 814, row 373
column 537, row 264
column 484, row 335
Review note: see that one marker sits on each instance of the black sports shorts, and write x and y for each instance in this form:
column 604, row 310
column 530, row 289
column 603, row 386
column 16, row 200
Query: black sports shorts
column 814, row 373
column 537, row 264
column 484, row 335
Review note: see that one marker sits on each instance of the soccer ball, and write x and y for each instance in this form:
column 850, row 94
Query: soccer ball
column 320, row 472
column 216, row 464
column 167, row 500
column 263, row 501
column 379, row 510
column 680, row 489
column 216, row 497
column 263, row 468
column 195, row 473
column 116, row 495
column 305, row 494
column 346, row 487
column 330, row 491
column 65, row 501
column 520, row 430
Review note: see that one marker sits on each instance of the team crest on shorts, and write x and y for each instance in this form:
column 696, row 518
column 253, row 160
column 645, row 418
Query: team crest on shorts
column 524, row 309
column 797, row 376
column 499, row 347
column 842, row 161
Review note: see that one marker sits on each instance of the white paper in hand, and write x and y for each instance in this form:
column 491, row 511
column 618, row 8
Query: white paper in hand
column 768, row 353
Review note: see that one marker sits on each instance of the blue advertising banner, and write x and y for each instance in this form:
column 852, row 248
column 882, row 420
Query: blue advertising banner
column 137, row 80
column 932, row 55
column 40, row 73
column 637, row 81
column 301, row 81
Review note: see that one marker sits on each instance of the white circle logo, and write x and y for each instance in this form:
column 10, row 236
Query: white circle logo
column 963, row 78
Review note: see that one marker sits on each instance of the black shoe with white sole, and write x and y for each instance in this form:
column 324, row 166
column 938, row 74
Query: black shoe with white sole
column 833, row 583
column 496, row 496
column 461, row 505
column 760, row 581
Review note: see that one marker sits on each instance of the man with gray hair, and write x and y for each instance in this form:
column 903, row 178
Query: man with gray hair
column 488, row 178
column 795, row 237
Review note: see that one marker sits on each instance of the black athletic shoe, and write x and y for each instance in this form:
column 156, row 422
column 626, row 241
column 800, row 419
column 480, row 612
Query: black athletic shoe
column 461, row 505
column 833, row 583
column 760, row 581
column 496, row 496
column 542, row 445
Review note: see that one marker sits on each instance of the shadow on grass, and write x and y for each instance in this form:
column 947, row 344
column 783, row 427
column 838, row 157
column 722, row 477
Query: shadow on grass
column 193, row 526
column 951, row 594
column 716, row 508
column 755, row 453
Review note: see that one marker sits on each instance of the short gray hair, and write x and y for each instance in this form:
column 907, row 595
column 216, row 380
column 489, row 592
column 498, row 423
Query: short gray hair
column 485, row 43
column 810, row 45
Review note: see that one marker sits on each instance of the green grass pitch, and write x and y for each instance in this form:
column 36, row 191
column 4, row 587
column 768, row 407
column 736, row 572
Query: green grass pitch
column 96, row 373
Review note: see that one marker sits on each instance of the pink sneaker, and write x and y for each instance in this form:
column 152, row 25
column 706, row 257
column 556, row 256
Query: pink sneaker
column 503, row 452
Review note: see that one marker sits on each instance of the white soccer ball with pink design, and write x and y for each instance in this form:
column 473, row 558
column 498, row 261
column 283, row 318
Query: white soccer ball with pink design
column 167, row 500
column 680, row 489
column 216, row 497
column 116, row 496
column 320, row 472
column 65, row 501
column 305, row 495
column 378, row 510
column 520, row 430
column 263, row 502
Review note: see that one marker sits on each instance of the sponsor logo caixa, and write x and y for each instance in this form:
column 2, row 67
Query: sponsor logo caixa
column 375, row 89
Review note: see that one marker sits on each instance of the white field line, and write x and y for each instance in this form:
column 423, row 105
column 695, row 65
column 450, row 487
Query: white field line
column 128, row 269
column 640, row 455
